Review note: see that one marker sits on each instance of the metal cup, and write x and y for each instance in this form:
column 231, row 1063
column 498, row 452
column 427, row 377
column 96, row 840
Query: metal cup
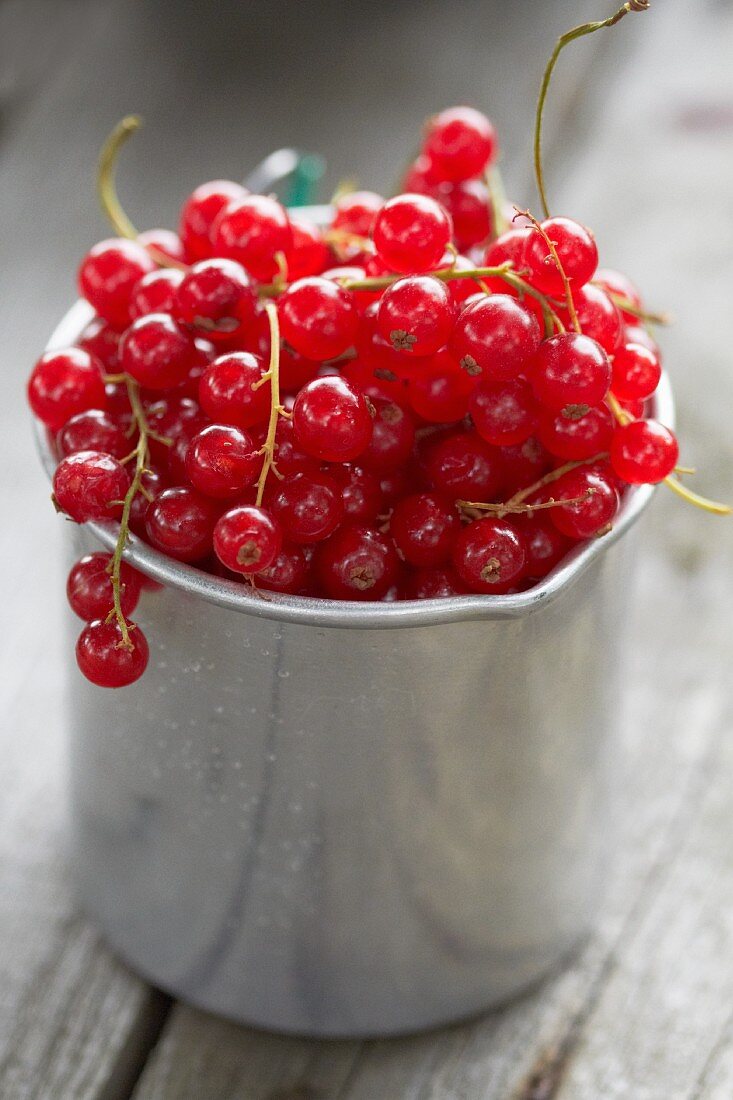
column 352, row 819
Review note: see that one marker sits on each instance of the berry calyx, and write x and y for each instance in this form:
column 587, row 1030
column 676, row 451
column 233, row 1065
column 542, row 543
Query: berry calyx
column 495, row 336
column 416, row 315
column 356, row 563
column 489, row 555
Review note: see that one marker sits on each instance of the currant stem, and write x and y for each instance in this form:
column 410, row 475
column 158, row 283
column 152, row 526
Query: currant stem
column 273, row 376
column 563, row 41
column 141, row 461
column 107, row 187
column 635, row 311
column 553, row 475
column 558, row 264
column 507, row 508
column 498, row 202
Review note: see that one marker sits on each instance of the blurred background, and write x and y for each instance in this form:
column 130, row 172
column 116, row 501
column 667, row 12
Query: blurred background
column 639, row 146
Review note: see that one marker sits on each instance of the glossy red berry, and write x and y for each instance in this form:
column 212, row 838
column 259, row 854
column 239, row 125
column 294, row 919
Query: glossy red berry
column 230, row 393
column 570, row 371
column 597, row 503
column 393, row 436
column 216, row 299
column 180, row 523
column 356, row 563
column 102, row 342
column 222, row 461
column 105, row 660
column 505, row 413
column 64, row 383
column 252, row 231
column 308, row 506
column 89, row 587
column 495, row 335
column 416, row 315
column 199, row 213
column 489, row 555
column 636, row 372
column 318, row 318
column 108, row 275
column 86, row 484
column 93, row 430
column 463, row 466
column 247, row 539
column 433, row 584
column 545, row 545
column 597, row 316
column 423, row 527
column 469, row 207
column 460, row 143
column 332, row 420
column 361, row 493
column 440, row 392
column 356, row 211
column 576, row 249
column 288, row 572
column 411, row 233
column 309, row 254
column 574, row 437
column 163, row 242
column 156, row 292
column 621, row 288
column 644, row 452
column 156, row 352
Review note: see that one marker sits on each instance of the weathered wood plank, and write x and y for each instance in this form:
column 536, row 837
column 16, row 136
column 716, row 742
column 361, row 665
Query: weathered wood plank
column 614, row 1023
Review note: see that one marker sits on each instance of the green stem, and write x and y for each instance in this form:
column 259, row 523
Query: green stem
column 273, row 376
column 562, row 42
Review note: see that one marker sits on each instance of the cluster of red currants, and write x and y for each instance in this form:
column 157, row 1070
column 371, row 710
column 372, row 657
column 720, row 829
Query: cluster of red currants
column 423, row 398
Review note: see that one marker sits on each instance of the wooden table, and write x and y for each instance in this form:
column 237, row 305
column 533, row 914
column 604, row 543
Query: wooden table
column 641, row 132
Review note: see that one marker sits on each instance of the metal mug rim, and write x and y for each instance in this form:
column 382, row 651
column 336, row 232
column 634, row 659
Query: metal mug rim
column 351, row 614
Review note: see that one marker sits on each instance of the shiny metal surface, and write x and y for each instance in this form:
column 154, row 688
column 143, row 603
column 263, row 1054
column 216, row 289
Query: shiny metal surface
column 348, row 820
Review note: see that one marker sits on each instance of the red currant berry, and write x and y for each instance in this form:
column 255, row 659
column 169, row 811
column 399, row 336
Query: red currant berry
column 108, row 274
column 93, row 430
column 421, row 177
column 637, row 334
column 222, row 461
column 570, row 371
column 575, row 439
column 252, row 230
column 199, row 213
column 89, row 587
column 393, row 437
column 105, row 660
column 288, row 572
column 620, row 286
column 180, row 523
column 576, row 249
column 155, row 293
column 424, row 527
column 289, row 459
column 460, row 143
column 464, row 466
column 216, row 298
column 318, row 318
column 230, row 393
column 102, row 342
column 523, row 464
column 505, row 413
column 153, row 482
column 309, row 253
column 356, row 211
column 440, row 393
column 85, row 485
column 164, row 241
column 411, row 233
column 356, row 563
column 360, row 492
column 156, row 352
column 332, row 420
column 597, row 316
column 460, row 289
column 247, row 539
column 469, row 207
column 507, row 248
column 495, row 335
column 546, row 546
column 308, row 506
column 636, row 372
column 597, row 503
column 489, row 555
column 64, row 383
column 416, row 315
column 643, row 452
column 433, row 584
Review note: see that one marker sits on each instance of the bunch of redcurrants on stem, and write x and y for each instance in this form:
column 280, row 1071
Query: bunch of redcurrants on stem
column 429, row 396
